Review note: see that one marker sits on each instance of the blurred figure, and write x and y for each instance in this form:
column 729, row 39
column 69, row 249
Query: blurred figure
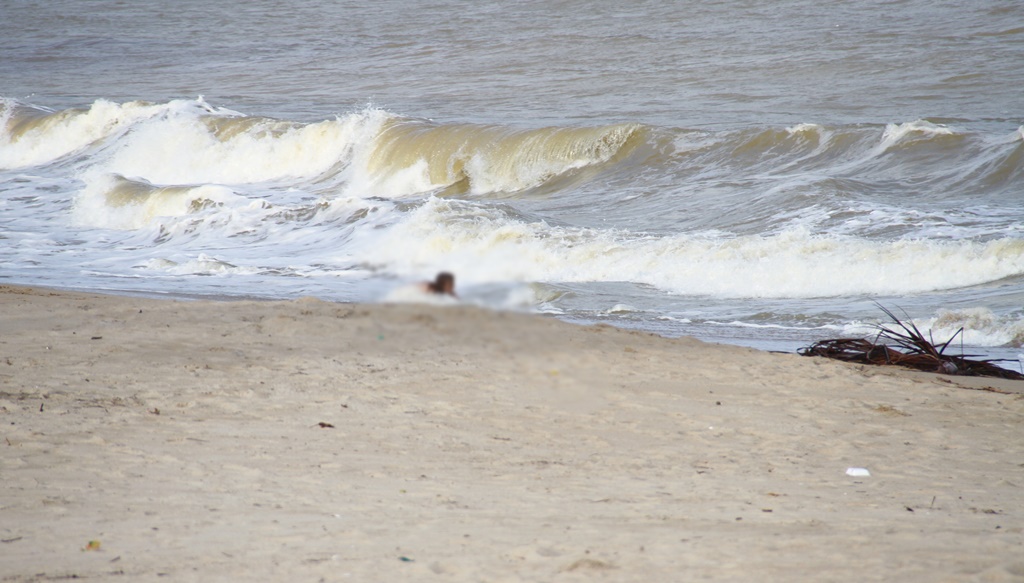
column 441, row 291
column 443, row 284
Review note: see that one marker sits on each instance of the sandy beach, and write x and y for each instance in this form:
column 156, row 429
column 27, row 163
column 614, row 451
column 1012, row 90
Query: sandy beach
column 304, row 440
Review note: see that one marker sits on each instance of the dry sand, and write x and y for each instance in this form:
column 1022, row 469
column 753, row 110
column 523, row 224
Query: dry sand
column 308, row 441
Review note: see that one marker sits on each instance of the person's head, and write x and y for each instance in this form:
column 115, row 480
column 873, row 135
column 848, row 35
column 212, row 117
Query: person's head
column 444, row 284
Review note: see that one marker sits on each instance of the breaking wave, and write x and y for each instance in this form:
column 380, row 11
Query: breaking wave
column 183, row 188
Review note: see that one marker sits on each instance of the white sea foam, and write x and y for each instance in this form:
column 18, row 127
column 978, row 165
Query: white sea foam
column 980, row 327
column 53, row 135
column 202, row 264
column 794, row 263
column 111, row 202
column 977, row 326
column 805, row 128
column 415, row 294
column 898, row 133
column 45, row 137
column 186, row 149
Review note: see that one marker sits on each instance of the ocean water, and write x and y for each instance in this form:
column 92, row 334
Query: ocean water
column 745, row 172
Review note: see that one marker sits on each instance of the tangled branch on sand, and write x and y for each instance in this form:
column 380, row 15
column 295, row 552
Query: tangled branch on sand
column 905, row 345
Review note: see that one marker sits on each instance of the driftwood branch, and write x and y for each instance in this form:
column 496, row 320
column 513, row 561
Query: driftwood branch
column 905, row 345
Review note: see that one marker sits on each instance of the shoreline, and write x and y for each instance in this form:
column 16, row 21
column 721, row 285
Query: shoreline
column 293, row 439
column 1005, row 356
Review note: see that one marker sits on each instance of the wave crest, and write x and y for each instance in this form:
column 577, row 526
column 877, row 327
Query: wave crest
column 414, row 156
column 488, row 244
column 980, row 327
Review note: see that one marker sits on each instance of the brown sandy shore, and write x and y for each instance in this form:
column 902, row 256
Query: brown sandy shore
column 309, row 441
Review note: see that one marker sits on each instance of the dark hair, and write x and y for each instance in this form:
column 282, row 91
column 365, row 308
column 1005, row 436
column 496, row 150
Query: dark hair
column 443, row 284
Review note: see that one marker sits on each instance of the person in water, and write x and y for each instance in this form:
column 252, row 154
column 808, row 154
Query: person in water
column 444, row 284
